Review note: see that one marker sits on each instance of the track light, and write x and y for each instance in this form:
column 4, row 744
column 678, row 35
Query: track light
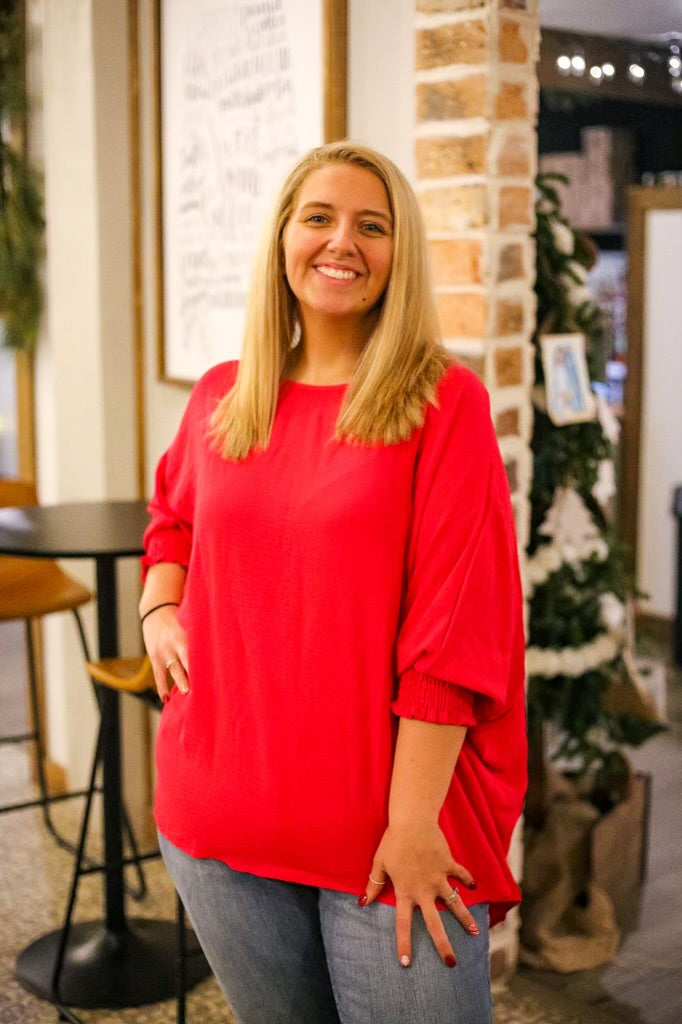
column 578, row 64
column 636, row 73
column 572, row 59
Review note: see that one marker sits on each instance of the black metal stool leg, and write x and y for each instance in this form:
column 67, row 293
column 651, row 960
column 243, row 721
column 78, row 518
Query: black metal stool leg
column 36, row 736
column 140, row 891
column 45, row 800
column 64, row 1012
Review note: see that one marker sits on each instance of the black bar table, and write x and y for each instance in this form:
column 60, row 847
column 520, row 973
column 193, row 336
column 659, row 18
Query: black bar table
column 117, row 962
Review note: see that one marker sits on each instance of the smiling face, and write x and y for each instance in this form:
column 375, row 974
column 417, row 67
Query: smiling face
column 338, row 245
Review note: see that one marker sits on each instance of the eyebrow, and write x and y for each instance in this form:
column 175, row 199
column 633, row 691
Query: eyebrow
column 361, row 213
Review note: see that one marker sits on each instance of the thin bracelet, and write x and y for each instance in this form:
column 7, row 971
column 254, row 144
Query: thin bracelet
column 164, row 604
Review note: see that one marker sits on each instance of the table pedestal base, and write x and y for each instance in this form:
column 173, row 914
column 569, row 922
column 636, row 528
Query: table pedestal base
column 111, row 970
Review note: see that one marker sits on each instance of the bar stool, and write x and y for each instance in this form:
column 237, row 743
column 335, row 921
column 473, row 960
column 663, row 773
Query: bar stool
column 134, row 676
column 29, row 589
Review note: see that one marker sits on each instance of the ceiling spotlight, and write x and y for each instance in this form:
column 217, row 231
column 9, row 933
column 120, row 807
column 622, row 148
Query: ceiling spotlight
column 563, row 63
column 675, row 64
column 578, row 64
column 608, row 69
column 636, row 73
column 676, row 84
column 596, row 73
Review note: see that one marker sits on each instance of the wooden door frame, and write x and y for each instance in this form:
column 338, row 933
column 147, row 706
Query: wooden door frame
column 641, row 200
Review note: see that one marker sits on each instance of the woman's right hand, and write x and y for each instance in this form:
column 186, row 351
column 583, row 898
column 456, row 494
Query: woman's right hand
column 166, row 644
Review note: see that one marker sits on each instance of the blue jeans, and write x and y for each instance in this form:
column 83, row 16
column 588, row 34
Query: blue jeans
column 294, row 954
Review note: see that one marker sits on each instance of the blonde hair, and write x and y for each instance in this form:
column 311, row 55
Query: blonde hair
column 401, row 364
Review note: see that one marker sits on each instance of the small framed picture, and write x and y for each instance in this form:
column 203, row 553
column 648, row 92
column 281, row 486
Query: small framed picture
column 567, row 382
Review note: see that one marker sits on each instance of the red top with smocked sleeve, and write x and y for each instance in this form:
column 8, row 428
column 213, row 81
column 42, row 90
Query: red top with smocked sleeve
column 332, row 587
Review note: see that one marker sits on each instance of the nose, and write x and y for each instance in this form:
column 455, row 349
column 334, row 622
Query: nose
column 341, row 241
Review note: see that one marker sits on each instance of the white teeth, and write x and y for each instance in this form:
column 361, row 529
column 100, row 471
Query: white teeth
column 340, row 275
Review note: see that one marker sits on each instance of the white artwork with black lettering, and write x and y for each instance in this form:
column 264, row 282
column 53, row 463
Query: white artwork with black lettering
column 241, row 99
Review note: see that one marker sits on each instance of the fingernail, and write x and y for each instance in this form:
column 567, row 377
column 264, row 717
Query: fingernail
column 450, row 960
column 405, row 961
column 473, row 929
column 165, row 698
column 362, row 900
column 183, row 689
column 472, row 885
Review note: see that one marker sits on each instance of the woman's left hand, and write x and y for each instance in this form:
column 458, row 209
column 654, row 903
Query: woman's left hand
column 417, row 859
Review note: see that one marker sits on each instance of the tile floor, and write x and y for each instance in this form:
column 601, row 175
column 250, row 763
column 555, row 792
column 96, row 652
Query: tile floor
column 642, row 986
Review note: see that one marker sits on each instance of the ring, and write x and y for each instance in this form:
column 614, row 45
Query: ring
column 454, row 892
column 375, row 881
column 171, row 661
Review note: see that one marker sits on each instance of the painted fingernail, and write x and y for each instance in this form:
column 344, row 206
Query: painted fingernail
column 472, row 885
column 450, row 960
column 405, row 961
column 473, row 929
column 362, row 900
column 165, row 698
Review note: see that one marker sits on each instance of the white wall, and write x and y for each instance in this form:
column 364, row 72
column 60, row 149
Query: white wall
column 661, row 429
column 86, row 432
column 381, row 103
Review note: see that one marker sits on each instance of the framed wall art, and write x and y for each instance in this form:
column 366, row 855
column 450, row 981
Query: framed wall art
column 567, row 384
column 243, row 89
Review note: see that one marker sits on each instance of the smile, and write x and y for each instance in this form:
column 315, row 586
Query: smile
column 338, row 275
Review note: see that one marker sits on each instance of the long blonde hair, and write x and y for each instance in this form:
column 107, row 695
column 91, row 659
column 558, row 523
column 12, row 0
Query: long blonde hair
column 401, row 364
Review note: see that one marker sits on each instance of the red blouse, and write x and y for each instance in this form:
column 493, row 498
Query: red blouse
column 330, row 588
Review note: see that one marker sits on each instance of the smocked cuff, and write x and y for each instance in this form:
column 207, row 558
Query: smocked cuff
column 433, row 700
column 167, row 548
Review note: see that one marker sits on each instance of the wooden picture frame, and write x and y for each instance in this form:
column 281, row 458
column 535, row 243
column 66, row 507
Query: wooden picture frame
column 240, row 95
column 642, row 201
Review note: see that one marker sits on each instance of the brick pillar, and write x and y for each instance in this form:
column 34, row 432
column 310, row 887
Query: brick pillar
column 476, row 152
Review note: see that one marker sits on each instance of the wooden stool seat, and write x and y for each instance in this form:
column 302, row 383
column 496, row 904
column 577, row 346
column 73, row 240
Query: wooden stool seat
column 33, row 587
column 130, row 675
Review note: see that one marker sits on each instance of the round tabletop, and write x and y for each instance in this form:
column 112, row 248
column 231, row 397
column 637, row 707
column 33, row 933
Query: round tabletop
column 85, row 529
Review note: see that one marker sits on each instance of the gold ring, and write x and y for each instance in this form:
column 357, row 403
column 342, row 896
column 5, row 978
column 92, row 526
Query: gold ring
column 375, row 881
column 171, row 661
column 454, row 892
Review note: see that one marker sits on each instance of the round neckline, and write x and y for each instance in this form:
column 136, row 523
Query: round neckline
column 314, row 387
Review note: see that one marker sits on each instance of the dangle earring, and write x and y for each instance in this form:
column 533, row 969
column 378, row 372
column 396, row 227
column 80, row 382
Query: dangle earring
column 296, row 335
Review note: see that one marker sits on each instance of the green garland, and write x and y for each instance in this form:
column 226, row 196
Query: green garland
column 21, row 206
column 565, row 608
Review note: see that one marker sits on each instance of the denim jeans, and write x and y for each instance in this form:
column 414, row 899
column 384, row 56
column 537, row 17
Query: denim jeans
column 285, row 953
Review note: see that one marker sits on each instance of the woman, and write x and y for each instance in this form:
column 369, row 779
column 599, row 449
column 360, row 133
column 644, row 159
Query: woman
column 332, row 588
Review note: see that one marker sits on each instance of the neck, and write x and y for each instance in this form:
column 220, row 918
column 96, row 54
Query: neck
column 328, row 351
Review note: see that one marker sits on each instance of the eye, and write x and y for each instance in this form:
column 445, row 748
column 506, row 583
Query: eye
column 372, row 228
column 316, row 218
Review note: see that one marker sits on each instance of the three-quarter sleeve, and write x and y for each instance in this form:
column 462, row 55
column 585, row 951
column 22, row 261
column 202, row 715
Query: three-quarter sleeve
column 168, row 537
column 462, row 611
